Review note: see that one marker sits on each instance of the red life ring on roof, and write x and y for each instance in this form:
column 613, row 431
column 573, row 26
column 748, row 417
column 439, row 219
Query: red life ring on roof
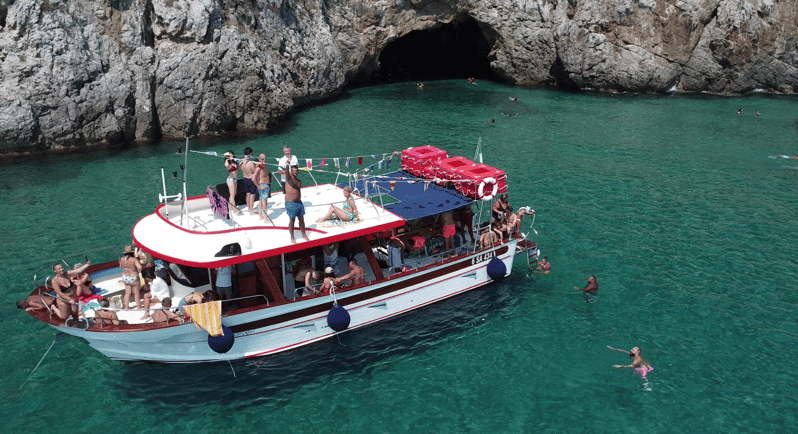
column 481, row 190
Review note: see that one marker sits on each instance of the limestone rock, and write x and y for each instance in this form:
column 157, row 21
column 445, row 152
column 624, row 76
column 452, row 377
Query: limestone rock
column 87, row 72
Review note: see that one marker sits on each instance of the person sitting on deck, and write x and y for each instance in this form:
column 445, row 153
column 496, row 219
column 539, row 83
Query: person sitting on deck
column 65, row 291
column 488, row 239
column 166, row 314
column 347, row 213
column 159, row 291
column 307, row 276
column 107, row 316
column 329, row 281
column 356, row 275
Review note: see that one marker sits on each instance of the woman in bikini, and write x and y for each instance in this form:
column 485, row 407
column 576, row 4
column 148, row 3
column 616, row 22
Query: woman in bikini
column 66, row 291
column 347, row 213
column 232, row 179
column 131, row 267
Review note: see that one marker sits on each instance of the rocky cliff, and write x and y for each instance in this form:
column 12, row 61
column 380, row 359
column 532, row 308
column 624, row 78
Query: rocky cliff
column 109, row 72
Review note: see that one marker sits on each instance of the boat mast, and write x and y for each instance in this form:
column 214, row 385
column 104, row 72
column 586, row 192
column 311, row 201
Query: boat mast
column 184, row 209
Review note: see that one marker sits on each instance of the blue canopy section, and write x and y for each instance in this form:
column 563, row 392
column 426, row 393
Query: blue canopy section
column 411, row 201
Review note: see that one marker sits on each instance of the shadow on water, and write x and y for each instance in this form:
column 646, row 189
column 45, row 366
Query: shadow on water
column 274, row 378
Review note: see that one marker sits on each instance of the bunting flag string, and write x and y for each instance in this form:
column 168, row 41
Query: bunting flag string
column 337, row 163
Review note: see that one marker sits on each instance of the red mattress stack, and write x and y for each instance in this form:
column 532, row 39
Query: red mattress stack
column 451, row 169
column 418, row 161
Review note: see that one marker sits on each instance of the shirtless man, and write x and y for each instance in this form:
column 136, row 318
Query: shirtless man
column 591, row 289
column 488, row 238
column 248, row 170
column 448, row 232
column 65, row 290
column 34, row 302
column 356, row 274
column 293, row 203
column 107, row 316
column 639, row 364
column 166, row 314
column 396, row 249
column 261, row 178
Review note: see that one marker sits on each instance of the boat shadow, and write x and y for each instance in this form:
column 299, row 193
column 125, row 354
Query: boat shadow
column 274, row 378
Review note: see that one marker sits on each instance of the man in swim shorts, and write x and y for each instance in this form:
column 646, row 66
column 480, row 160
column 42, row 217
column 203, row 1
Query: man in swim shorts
column 639, row 364
column 591, row 290
column 262, row 178
column 448, row 232
column 293, row 203
column 248, row 170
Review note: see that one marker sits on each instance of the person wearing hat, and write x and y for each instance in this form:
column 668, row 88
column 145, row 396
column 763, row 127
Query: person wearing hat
column 232, row 178
column 131, row 267
column 329, row 280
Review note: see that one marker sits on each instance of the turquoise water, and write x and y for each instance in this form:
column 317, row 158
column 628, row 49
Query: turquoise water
column 671, row 201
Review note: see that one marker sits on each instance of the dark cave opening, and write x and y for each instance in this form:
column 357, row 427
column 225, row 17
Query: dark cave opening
column 457, row 49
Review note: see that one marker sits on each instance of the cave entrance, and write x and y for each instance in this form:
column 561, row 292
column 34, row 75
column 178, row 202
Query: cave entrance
column 457, row 49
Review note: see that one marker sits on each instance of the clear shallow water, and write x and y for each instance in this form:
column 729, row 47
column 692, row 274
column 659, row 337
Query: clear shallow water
column 670, row 201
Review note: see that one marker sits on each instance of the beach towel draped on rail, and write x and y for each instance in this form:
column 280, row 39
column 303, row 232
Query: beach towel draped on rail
column 206, row 315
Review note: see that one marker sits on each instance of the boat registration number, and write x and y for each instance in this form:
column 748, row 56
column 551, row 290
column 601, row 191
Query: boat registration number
column 483, row 257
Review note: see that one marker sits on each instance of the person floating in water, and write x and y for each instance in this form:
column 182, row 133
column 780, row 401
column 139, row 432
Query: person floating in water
column 420, row 86
column 740, row 112
column 757, row 114
column 639, row 364
column 788, row 157
column 591, row 289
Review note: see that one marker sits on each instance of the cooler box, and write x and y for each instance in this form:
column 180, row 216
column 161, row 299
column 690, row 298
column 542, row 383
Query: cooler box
column 476, row 174
column 417, row 161
column 452, row 169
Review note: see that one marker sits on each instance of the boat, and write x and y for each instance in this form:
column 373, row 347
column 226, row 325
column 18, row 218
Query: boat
column 270, row 312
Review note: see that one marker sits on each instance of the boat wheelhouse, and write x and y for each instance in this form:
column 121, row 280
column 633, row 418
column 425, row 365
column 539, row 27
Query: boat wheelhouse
column 269, row 312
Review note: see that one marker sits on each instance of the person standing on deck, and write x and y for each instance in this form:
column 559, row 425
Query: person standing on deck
column 248, row 170
column 285, row 163
column 293, row 202
column 262, row 179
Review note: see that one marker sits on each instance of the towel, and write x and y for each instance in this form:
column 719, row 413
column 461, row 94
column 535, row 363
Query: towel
column 207, row 316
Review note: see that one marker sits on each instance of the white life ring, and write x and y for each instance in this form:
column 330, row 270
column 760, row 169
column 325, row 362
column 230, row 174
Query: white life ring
column 481, row 189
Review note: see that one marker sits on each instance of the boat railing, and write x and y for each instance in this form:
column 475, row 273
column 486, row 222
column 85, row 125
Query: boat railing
column 111, row 253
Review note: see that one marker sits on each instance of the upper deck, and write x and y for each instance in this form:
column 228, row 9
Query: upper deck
column 195, row 238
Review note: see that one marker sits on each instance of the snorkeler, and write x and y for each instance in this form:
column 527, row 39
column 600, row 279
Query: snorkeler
column 639, row 364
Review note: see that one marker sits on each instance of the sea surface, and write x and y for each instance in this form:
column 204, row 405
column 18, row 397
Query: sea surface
column 671, row 201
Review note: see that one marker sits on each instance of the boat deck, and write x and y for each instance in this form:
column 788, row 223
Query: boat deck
column 194, row 238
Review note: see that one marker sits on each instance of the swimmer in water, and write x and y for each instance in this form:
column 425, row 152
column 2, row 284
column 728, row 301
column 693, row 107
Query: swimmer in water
column 639, row 364
column 740, row 112
column 788, row 157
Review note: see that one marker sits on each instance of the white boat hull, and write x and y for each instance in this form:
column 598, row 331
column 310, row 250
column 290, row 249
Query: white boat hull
column 283, row 327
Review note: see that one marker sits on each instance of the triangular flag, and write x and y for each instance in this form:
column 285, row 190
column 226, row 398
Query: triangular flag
column 393, row 185
column 359, row 161
column 322, row 162
column 207, row 315
column 374, row 157
column 337, row 162
column 371, row 168
column 310, row 162
column 348, row 160
column 426, row 184
column 388, row 162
